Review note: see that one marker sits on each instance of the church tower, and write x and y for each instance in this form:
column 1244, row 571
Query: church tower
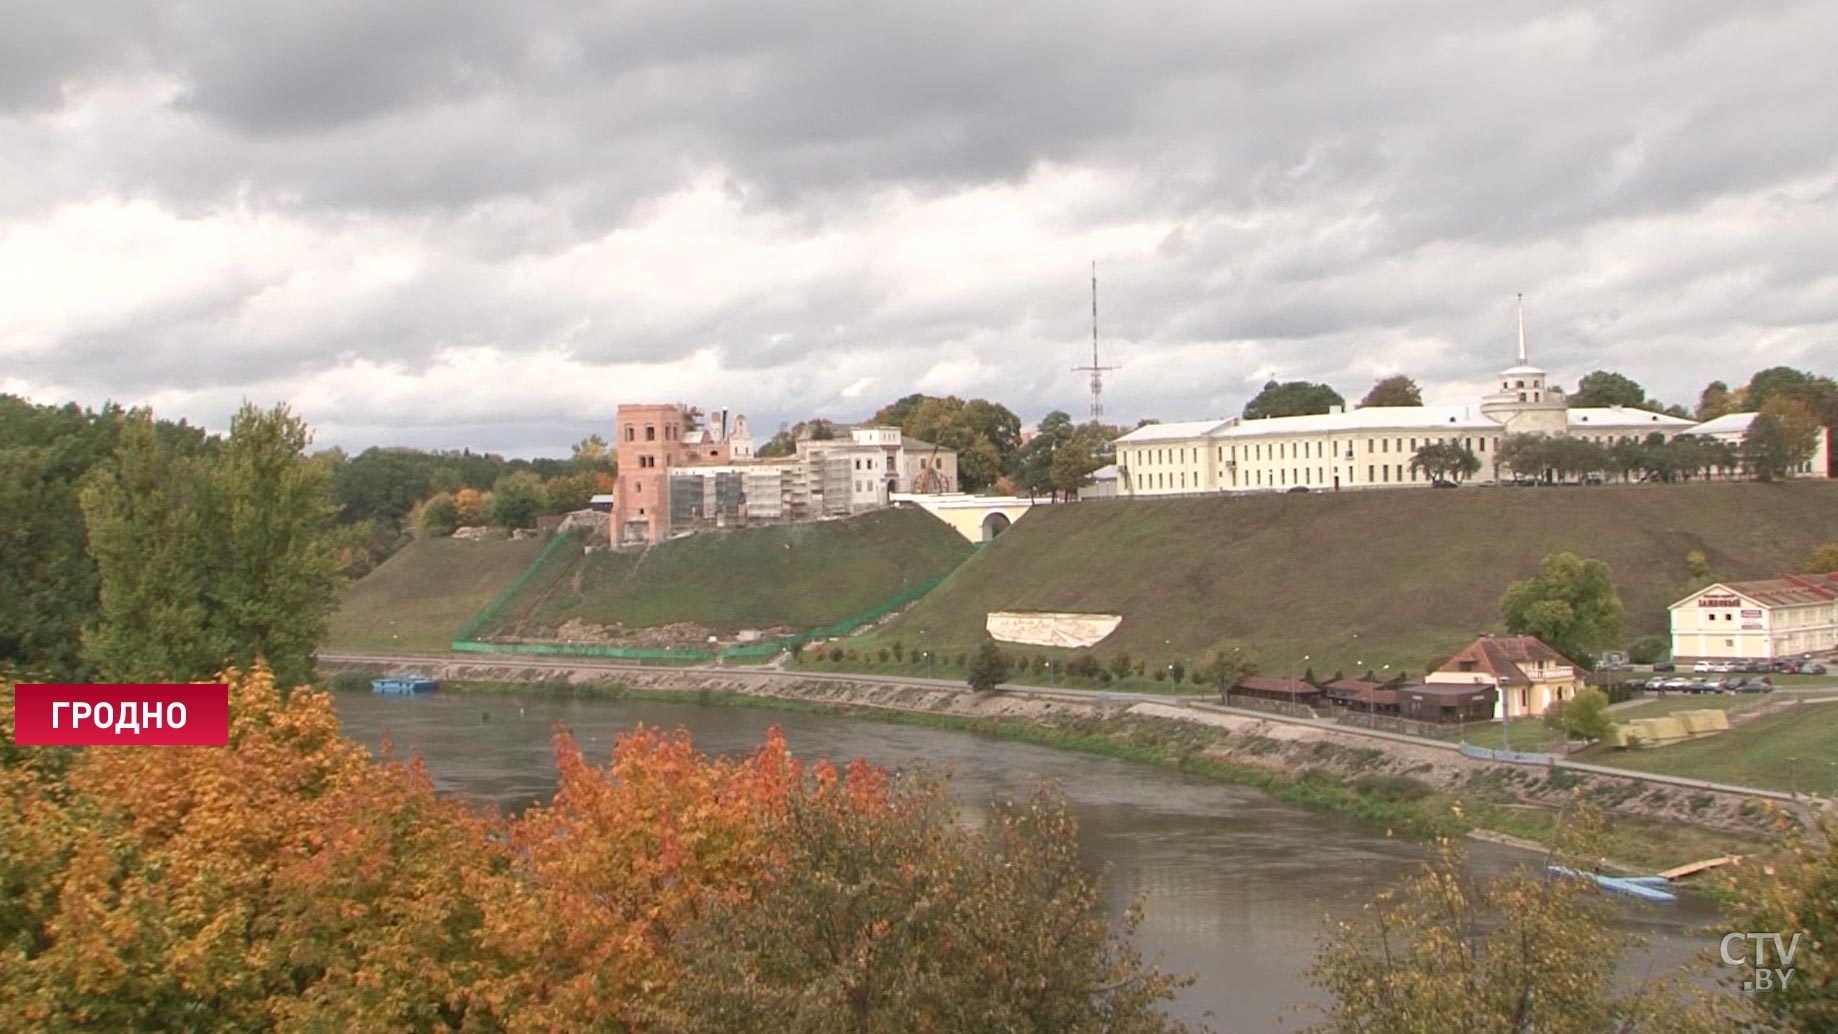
column 1527, row 403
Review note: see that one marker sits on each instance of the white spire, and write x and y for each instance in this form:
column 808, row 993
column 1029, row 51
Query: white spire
column 1521, row 328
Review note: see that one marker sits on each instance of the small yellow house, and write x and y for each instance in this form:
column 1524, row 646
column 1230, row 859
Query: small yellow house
column 1528, row 675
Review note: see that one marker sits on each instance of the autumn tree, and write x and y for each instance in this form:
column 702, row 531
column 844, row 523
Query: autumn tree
column 472, row 507
column 1571, row 605
column 1793, row 892
column 1292, row 398
column 1396, row 390
column 1824, row 559
column 1718, row 400
column 927, row 925
column 1452, row 952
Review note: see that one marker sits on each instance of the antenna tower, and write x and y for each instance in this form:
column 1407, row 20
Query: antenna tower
column 1096, row 369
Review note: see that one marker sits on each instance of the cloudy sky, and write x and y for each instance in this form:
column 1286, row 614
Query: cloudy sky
column 471, row 222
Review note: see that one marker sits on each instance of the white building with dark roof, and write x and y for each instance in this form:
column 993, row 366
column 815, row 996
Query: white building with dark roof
column 1766, row 619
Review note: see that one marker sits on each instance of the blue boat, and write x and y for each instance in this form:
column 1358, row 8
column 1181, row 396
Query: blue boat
column 403, row 685
column 1646, row 888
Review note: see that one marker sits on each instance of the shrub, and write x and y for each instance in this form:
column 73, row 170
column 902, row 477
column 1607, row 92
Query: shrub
column 1176, row 672
column 885, row 654
column 1160, row 675
column 1120, row 665
column 1648, row 649
column 853, row 656
column 899, row 650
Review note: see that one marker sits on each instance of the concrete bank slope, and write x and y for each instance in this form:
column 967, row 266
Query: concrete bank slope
column 1391, row 766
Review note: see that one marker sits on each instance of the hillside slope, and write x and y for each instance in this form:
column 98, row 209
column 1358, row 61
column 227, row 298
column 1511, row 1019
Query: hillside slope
column 1412, row 574
column 796, row 576
column 421, row 596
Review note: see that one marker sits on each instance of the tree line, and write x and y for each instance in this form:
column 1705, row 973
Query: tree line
column 138, row 549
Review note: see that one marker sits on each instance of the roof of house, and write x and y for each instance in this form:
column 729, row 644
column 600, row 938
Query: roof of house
column 1728, row 423
column 1786, row 591
column 1270, row 684
column 1108, row 472
column 1447, row 690
column 1504, row 657
column 1623, row 416
column 1179, row 429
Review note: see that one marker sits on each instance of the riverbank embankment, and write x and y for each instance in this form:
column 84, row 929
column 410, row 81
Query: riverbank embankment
column 1415, row 788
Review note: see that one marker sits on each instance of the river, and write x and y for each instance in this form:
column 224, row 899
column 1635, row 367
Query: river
column 1236, row 884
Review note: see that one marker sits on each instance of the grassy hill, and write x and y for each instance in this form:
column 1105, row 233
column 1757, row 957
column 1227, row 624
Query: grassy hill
column 799, row 576
column 1412, row 574
column 425, row 593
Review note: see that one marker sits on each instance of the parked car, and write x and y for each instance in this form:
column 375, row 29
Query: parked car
column 1299, row 488
column 1664, row 666
column 1787, row 667
column 1812, row 668
column 1443, row 483
column 1677, row 684
column 1761, row 685
column 1755, row 666
column 1703, row 667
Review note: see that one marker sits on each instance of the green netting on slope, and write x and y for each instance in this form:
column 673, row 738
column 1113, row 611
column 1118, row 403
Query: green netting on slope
column 465, row 643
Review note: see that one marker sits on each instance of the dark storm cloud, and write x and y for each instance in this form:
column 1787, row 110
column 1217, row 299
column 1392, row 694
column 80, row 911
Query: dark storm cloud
column 1327, row 189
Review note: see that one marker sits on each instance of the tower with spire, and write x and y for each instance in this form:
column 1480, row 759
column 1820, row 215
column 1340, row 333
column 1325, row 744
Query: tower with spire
column 1526, row 402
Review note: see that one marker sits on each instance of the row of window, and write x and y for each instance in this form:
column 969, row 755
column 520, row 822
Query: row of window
column 1306, row 449
column 631, row 432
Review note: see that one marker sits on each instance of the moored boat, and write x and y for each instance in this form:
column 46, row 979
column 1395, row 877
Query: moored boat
column 403, row 685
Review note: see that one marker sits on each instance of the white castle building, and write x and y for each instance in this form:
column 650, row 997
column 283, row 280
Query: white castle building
column 1372, row 447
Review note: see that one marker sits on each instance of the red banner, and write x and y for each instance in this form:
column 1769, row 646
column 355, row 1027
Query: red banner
column 99, row 713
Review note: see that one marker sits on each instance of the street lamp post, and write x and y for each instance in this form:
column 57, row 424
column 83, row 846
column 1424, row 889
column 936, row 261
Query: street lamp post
column 1793, row 777
column 1506, row 729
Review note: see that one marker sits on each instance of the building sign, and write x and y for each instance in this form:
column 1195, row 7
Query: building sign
column 1751, row 615
column 1039, row 628
column 1751, row 626
column 1719, row 601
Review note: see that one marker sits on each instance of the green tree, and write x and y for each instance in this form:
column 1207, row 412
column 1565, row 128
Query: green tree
column 592, row 454
column 1604, row 388
column 1396, row 390
column 439, row 515
column 566, row 493
column 988, row 668
column 48, row 581
column 1445, row 460
column 1582, row 717
column 1292, row 398
column 1571, row 604
column 1071, row 468
column 516, row 499
column 275, row 579
column 1648, row 649
column 1772, row 449
column 150, row 516
column 985, row 434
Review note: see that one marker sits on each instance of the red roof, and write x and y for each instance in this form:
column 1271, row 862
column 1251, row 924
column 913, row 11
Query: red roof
column 1506, row 657
column 1789, row 589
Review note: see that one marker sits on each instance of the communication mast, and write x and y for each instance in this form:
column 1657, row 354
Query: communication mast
column 1096, row 369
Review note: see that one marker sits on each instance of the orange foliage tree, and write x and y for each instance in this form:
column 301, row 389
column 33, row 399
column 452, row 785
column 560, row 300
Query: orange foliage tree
column 290, row 882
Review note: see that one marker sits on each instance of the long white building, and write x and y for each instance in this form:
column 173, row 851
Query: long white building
column 1372, row 447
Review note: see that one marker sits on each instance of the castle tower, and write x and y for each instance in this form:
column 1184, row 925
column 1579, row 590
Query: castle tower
column 1527, row 403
